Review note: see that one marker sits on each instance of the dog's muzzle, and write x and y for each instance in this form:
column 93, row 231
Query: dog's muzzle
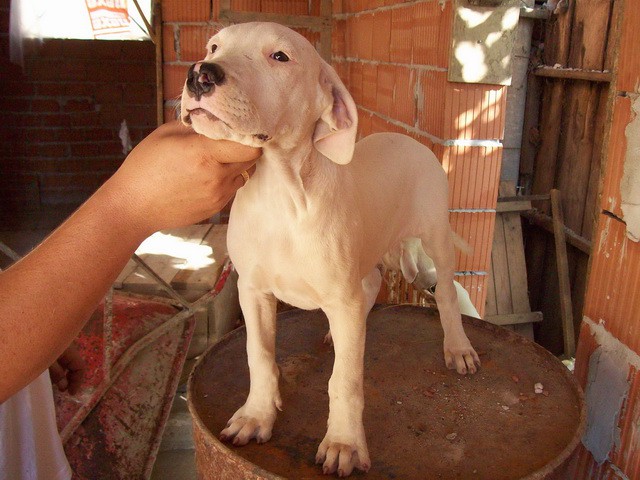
column 203, row 77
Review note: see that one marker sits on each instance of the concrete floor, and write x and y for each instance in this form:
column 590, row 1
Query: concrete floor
column 176, row 457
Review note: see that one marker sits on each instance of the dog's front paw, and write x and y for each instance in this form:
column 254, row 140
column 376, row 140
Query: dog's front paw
column 247, row 424
column 342, row 457
column 461, row 356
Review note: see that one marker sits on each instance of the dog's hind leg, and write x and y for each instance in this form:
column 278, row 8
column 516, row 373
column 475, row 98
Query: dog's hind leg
column 458, row 352
column 256, row 417
column 418, row 269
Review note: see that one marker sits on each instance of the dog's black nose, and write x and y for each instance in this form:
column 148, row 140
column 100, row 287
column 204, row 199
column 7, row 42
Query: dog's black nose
column 207, row 76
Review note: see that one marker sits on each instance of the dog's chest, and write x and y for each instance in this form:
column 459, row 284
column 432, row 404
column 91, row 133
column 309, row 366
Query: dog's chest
column 296, row 259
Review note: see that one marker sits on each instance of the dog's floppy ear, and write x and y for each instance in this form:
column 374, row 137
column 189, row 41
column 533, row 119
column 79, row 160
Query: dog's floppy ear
column 335, row 131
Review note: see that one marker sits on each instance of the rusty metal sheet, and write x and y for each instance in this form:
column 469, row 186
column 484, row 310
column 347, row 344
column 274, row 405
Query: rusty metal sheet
column 422, row 420
column 113, row 428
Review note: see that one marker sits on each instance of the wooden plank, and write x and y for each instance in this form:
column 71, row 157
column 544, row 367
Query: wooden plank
column 583, row 102
column 501, row 269
column 296, row 21
column 574, row 170
column 157, row 27
column 573, row 74
column 325, row 34
column 514, row 318
column 517, row 265
column 514, row 252
column 557, row 44
column 540, row 13
column 589, row 36
column 491, row 306
column 604, row 117
column 530, row 131
column 544, row 221
column 558, row 38
column 566, row 308
column 514, row 206
column 525, row 329
column 527, row 198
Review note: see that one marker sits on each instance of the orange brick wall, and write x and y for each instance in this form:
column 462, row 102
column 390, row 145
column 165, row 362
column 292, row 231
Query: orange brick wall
column 393, row 57
column 611, row 325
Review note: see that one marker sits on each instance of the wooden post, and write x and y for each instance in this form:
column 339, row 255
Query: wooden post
column 562, row 262
column 157, row 40
column 325, row 33
column 557, row 46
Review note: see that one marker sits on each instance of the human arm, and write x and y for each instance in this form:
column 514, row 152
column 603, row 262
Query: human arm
column 174, row 177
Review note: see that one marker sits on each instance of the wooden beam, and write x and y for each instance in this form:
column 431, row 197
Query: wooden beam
column 513, row 206
column 157, row 40
column 535, row 13
column 544, row 221
column 573, row 74
column 514, row 318
column 296, row 21
column 562, row 263
column 326, row 32
column 528, row 198
column 150, row 30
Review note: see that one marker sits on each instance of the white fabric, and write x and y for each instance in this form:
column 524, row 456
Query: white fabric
column 16, row 54
column 30, row 446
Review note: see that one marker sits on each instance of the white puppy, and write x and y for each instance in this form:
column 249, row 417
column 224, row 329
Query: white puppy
column 314, row 222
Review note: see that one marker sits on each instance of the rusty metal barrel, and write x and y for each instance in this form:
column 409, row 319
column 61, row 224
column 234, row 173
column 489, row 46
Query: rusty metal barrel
column 520, row 417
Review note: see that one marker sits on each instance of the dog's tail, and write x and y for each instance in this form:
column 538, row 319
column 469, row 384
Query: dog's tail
column 461, row 244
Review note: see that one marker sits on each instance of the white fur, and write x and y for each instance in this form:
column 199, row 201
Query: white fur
column 314, row 222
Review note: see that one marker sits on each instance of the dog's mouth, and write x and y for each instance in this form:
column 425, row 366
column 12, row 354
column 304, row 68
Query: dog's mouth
column 200, row 111
column 263, row 137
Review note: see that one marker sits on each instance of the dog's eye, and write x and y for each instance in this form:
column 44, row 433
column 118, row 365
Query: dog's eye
column 214, row 47
column 280, row 56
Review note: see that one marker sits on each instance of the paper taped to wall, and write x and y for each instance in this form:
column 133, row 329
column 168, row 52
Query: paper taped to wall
column 630, row 183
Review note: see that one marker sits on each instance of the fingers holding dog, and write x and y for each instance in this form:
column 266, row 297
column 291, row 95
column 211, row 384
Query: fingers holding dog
column 177, row 177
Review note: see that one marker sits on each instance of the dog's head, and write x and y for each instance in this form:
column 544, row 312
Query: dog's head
column 262, row 84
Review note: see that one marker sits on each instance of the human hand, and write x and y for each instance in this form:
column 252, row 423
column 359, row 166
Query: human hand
column 176, row 177
column 68, row 370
